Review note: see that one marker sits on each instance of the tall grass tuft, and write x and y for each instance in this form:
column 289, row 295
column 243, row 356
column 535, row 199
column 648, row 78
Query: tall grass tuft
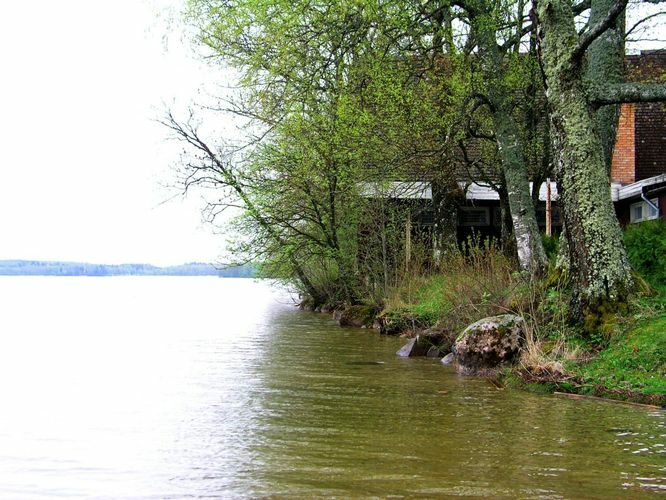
column 474, row 282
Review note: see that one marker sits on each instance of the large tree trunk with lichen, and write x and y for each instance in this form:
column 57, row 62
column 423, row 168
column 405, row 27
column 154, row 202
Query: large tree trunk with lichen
column 605, row 65
column 597, row 258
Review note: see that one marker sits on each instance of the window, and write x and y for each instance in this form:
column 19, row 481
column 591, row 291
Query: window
column 638, row 212
column 474, row 216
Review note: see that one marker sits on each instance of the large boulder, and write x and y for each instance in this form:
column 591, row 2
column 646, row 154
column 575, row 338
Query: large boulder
column 490, row 343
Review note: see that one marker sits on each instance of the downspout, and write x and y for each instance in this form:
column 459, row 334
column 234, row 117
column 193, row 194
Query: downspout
column 646, row 200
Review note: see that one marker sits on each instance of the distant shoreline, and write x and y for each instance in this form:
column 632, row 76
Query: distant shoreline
column 63, row 268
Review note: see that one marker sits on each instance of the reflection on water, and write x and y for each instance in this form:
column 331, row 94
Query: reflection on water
column 169, row 387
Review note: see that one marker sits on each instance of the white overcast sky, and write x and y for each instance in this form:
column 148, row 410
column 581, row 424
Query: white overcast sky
column 82, row 160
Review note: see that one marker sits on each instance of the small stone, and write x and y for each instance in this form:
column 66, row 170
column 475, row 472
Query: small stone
column 415, row 347
column 406, row 350
column 449, row 359
column 434, row 352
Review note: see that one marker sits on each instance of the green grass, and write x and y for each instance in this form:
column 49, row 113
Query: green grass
column 628, row 361
column 469, row 287
column 430, row 299
column 632, row 363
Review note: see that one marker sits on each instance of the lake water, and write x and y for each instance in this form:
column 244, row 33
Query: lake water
column 160, row 387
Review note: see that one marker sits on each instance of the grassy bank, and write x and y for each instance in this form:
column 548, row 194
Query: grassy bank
column 623, row 358
column 632, row 367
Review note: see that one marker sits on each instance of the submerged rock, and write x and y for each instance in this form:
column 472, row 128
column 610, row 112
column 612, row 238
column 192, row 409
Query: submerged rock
column 418, row 346
column 440, row 338
column 358, row 316
column 434, row 352
column 449, row 359
column 490, row 343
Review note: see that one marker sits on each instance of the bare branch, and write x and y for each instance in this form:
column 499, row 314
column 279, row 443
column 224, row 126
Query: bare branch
column 644, row 20
column 596, row 31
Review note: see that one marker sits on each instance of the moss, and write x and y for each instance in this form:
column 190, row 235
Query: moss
column 401, row 320
column 635, row 362
column 358, row 315
column 600, row 319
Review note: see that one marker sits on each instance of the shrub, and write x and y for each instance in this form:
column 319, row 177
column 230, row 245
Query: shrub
column 646, row 247
column 551, row 244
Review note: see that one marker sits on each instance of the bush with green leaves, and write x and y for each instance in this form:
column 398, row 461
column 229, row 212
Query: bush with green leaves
column 646, row 247
column 551, row 244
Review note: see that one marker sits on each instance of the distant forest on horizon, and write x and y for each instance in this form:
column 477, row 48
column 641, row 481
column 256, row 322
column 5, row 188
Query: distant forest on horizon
column 61, row 268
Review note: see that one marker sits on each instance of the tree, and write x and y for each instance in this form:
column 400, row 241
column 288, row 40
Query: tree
column 291, row 49
column 597, row 258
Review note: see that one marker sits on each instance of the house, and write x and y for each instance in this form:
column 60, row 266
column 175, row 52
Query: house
column 638, row 173
column 638, row 169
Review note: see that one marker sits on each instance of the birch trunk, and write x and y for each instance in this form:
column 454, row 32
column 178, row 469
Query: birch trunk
column 529, row 247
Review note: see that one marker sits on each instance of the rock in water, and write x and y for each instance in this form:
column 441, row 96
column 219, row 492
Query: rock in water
column 487, row 345
column 406, row 350
column 415, row 347
column 434, row 352
column 357, row 316
column 448, row 359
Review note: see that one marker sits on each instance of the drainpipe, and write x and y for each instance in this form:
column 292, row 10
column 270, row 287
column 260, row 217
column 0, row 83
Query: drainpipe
column 646, row 200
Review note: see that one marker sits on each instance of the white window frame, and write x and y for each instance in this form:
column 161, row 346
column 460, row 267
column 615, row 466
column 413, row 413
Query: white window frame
column 645, row 211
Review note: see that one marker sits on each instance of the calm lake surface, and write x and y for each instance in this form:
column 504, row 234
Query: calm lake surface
column 160, row 387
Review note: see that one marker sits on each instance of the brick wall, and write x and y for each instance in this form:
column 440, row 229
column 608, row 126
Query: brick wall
column 650, row 139
column 650, row 118
column 623, row 166
column 641, row 132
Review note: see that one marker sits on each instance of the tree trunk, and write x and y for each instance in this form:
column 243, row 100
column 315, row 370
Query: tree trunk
column 506, row 227
column 605, row 63
column 531, row 254
column 446, row 197
column 597, row 258
column 529, row 246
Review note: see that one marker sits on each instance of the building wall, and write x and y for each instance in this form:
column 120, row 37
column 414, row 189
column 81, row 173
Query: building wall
column 650, row 132
column 641, row 134
column 622, row 208
column 623, row 167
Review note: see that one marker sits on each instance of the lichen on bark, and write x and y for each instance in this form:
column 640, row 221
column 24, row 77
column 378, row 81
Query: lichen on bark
column 597, row 258
column 531, row 254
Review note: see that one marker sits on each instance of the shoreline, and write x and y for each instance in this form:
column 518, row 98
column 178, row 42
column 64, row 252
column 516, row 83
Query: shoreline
column 567, row 383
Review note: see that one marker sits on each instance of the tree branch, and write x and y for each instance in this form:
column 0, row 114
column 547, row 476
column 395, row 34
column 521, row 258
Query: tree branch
column 642, row 21
column 581, row 7
column 627, row 92
column 596, row 31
